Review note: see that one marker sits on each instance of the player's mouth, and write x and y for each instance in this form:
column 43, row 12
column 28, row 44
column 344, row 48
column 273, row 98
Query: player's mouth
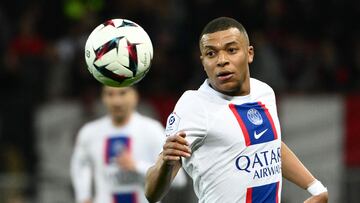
column 224, row 75
column 118, row 109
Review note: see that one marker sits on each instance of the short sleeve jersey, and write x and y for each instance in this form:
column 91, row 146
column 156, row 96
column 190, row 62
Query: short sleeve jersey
column 235, row 142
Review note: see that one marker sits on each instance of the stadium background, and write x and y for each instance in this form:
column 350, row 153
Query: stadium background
column 308, row 51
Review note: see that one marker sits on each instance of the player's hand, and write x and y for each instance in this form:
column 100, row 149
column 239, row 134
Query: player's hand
column 175, row 147
column 87, row 201
column 321, row 198
column 126, row 161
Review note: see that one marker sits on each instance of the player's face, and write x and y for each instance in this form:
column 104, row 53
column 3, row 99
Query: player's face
column 120, row 102
column 225, row 56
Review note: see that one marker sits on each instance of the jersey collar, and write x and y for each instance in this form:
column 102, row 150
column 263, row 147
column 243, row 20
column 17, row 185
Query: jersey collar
column 205, row 87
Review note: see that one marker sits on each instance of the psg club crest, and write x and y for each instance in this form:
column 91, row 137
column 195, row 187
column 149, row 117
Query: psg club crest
column 255, row 122
column 254, row 116
column 115, row 146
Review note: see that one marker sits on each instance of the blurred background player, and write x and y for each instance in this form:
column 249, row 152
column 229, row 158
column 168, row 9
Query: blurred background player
column 116, row 150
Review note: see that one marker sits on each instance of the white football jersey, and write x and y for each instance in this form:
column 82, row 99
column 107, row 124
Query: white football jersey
column 98, row 144
column 235, row 142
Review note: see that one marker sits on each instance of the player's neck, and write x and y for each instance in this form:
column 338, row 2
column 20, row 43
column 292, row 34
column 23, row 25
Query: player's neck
column 243, row 90
column 119, row 122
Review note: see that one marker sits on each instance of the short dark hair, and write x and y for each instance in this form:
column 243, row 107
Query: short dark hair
column 222, row 23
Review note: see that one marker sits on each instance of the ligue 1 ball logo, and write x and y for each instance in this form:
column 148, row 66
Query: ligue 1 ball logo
column 254, row 116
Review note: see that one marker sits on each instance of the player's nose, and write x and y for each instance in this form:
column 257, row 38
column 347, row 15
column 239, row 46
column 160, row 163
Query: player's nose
column 222, row 59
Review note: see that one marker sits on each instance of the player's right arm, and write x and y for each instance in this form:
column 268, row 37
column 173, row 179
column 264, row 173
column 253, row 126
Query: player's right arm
column 160, row 176
column 187, row 127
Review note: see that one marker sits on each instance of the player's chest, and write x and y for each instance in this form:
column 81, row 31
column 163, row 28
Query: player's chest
column 243, row 125
column 106, row 147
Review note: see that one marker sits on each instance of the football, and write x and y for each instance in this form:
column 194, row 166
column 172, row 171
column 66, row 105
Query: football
column 118, row 53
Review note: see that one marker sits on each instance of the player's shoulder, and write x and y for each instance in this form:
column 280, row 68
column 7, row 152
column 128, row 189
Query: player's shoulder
column 191, row 107
column 189, row 94
column 190, row 98
column 190, row 102
column 147, row 121
column 104, row 120
column 260, row 87
column 148, row 128
column 94, row 125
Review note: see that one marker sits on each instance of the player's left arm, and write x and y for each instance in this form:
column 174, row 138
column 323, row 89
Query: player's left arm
column 294, row 171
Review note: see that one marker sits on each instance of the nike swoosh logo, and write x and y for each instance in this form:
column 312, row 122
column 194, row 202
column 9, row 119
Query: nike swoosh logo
column 257, row 136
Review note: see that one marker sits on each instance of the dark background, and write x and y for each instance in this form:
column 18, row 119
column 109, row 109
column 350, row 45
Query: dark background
column 301, row 47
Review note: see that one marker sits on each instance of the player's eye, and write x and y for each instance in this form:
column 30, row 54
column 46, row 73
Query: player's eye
column 232, row 50
column 210, row 53
column 122, row 93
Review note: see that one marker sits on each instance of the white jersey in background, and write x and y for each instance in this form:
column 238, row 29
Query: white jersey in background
column 97, row 145
column 235, row 143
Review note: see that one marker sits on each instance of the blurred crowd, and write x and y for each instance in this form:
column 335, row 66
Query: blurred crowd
column 301, row 46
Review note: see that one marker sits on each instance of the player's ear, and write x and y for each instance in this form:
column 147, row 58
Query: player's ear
column 135, row 95
column 251, row 54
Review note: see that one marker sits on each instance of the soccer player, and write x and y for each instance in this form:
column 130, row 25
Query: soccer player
column 226, row 135
column 116, row 150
